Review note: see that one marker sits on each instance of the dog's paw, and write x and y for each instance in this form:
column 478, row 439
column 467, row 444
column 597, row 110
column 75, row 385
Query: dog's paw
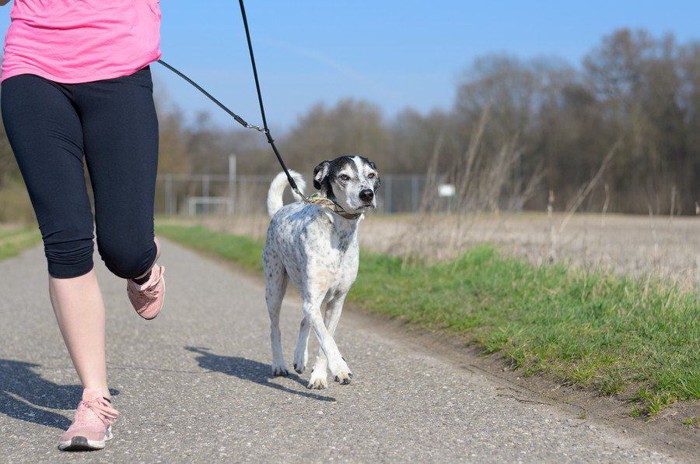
column 300, row 358
column 344, row 378
column 280, row 371
column 341, row 373
column 317, row 382
column 300, row 368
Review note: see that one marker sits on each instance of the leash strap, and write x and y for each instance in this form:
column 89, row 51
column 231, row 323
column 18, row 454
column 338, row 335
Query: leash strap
column 270, row 140
column 265, row 129
column 238, row 119
column 314, row 199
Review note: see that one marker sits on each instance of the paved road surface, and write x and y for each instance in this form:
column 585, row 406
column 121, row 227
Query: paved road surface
column 194, row 385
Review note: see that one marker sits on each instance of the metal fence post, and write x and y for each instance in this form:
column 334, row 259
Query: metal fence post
column 387, row 197
column 231, row 183
column 205, row 190
column 169, row 195
column 414, row 193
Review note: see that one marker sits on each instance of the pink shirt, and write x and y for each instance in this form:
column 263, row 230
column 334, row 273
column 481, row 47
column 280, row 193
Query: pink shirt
column 72, row 41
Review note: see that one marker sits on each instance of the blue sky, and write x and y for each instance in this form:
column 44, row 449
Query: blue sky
column 396, row 54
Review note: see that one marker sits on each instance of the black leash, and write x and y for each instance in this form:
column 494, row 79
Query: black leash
column 314, row 199
column 265, row 129
column 270, row 140
column 238, row 119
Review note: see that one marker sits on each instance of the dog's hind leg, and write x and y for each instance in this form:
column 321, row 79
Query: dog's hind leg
column 275, row 287
column 319, row 375
column 301, row 353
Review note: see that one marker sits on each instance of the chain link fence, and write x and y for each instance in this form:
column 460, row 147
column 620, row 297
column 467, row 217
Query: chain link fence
column 204, row 194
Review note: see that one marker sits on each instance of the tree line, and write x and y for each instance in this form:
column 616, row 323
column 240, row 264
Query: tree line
column 619, row 131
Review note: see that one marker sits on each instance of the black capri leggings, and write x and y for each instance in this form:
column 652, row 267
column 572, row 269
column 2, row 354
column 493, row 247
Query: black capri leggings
column 113, row 124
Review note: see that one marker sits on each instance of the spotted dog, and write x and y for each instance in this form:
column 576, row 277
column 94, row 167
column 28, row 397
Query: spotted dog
column 316, row 247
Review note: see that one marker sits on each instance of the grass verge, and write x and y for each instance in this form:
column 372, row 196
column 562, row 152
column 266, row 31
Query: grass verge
column 597, row 331
column 16, row 239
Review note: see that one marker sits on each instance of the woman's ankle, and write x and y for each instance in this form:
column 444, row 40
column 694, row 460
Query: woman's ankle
column 103, row 390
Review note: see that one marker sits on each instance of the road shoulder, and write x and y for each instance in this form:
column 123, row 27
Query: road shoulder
column 664, row 433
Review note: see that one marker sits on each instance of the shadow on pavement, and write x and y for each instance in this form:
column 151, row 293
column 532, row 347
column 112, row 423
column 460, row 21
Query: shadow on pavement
column 23, row 394
column 248, row 369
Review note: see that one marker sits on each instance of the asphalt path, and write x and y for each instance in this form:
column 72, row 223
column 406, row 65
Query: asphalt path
column 195, row 385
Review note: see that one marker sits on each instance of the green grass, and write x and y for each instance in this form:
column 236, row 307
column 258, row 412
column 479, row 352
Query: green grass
column 243, row 251
column 593, row 330
column 692, row 421
column 14, row 240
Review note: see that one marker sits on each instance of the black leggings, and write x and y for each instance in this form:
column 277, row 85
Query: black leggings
column 113, row 124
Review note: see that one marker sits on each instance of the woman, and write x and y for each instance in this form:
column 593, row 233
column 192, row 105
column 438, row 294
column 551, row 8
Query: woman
column 76, row 83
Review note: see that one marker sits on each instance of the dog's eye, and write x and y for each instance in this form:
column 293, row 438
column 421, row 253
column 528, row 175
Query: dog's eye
column 344, row 177
column 371, row 175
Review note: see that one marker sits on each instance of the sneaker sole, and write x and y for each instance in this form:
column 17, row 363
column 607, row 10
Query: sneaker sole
column 79, row 443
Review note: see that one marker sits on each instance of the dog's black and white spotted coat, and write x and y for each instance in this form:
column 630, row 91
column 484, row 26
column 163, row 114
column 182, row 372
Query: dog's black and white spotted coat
column 317, row 249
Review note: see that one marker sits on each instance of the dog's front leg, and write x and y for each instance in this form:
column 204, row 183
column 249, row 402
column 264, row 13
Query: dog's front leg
column 318, row 376
column 337, row 365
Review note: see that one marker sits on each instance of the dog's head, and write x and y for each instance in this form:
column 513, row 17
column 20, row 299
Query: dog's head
column 350, row 181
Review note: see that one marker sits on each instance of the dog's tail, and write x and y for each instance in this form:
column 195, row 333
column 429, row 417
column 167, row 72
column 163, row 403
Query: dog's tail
column 274, row 195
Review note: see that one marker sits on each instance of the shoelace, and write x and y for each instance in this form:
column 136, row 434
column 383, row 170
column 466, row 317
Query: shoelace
column 151, row 291
column 103, row 410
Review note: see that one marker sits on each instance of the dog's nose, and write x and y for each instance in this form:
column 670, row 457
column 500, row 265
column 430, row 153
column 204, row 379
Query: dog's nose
column 366, row 195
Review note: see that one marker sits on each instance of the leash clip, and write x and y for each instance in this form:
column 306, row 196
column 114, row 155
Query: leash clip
column 253, row 126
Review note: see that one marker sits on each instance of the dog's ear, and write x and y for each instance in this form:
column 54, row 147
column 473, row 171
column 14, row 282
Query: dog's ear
column 320, row 173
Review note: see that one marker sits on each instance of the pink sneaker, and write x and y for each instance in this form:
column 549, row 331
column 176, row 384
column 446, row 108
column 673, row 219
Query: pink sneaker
column 92, row 425
column 147, row 298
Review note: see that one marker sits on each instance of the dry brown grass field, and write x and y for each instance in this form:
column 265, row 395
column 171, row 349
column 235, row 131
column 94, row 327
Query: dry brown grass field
column 645, row 247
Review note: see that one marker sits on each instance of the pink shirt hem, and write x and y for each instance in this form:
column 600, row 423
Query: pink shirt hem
column 112, row 74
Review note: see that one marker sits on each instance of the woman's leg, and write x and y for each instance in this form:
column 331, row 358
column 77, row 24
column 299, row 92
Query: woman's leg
column 121, row 150
column 46, row 137
column 80, row 313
